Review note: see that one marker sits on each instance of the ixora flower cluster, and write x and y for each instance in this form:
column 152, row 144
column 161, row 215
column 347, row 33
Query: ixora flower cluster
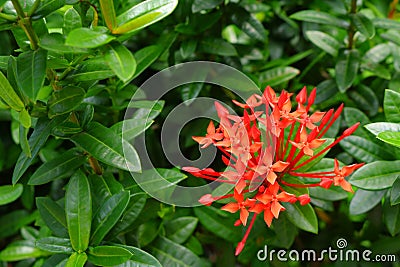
column 262, row 148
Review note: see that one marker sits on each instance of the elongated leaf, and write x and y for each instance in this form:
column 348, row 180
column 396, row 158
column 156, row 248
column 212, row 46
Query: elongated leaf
column 107, row 216
column 190, row 91
column 378, row 127
column 55, row 245
column 391, row 105
column 72, row 20
column 108, row 147
column 8, row 95
column 47, row 7
column 12, row 222
column 92, row 69
column 352, row 116
column 37, row 139
column 392, row 138
column 60, row 167
column 108, row 255
column 217, row 47
column 324, row 41
column 286, row 231
column 31, row 71
column 319, row 17
column 376, row 175
column 180, row 229
column 108, row 11
column 143, row 15
column 391, row 217
column 363, row 24
column 248, row 24
column 65, row 100
column 77, row 260
column 121, row 61
column 199, row 5
column 102, row 188
column 170, row 253
column 376, row 69
column 364, row 201
column 53, row 215
column 55, row 42
column 145, row 57
column 140, row 258
column 302, row 216
column 132, row 128
column 147, row 232
column 88, row 38
column 385, row 23
column 366, row 99
column 395, row 192
column 346, row 69
column 21, row 250
column 78, row 208
column 278, row 75
column 378, row 53
column 9, row 193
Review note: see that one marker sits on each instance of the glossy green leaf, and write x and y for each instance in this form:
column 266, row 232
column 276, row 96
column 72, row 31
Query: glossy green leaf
column 319, row 17
column 37, row 139
column 47, row 7
column 332, row 194
column 31, row 71
column 66, row 129
column 65, row 100
column 302, row 216
column 278, row 75
column 376, row 175
column 88, row 38
column 21, row 250
column 363, row 201
column 385, row 23
column 78, row 209
column 170, row 253
column 145, row 57
column 107, row 216
column 108, row 11
column 392, row 138
column 217, row 47
column 194, row 245
column 55, row 245
column 53, row 215
column 55, row 42
column 9, row 193
column 56, row 260
column 324, row 41
column 378, row 127
column 8, row 95
column 92, row 69
column 60, row 167
column 354, row 115
column 25, row 119
column 72, row 20
column 12, row 222
column 346, row 69
column 395, row 192
column 23, row 141
column 199, row 5
column 120, row 60
column 147, row 232
column 143, row 15
column 108, row 147
column 248, row 24
column 325, row 90
column 102, row 188
column 376, row 69
column 140, row 258
column 77, row 260
column 365, row 99
column 378, row 53
column 108, row 255
column 286, row 231
column 180, row 229
column 217, row 224
column 363, row 24
column 391, row 105
column 132, row 128
column 391, row 217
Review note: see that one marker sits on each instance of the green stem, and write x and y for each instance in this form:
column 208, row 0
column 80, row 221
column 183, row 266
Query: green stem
column 72, row 66
column 26, row 24
column 8, row 17
column 33, row 8
column 18, row 8
column 351, row 31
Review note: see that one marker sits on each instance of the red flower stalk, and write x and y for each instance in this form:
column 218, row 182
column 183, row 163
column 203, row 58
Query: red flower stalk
column 262, row 149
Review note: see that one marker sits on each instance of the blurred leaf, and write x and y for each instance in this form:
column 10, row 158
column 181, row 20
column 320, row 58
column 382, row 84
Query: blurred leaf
column 248, row 24
column 54, row 245
column 88, row 38
column 363, row 24
column 285, row 231
column 148, row 110
column 378, row 53
column 47, row 7
column 319, row 17
column 391, row 105
column 108, row 255
column 395, row 192
column 377, row 69
column 188, row 48
column 147, row 232
column 363, row 201
column 278, row 75
column 392, row 138
column 378, row 127
column 385, row 23
column 11, row 223
column 53, row 215
column 25, row 120
column 324, row 41
column 8, row 95
column 120, row 60
column 72, row 20
column 9, row 193
column 217, row 46
column 190, row 91
column 354, row 115
column 199, row 5
column 65, row 100
column 180, row 229
column 140, row 258
column 78, row 209
column 145, row 57
column 391, row 217
column 302, row 216
column 325, row 90
column 366, row 99
column 376, row 175
column 346, row 69
column 76, row 260
column 194, row 245
column 21, row 250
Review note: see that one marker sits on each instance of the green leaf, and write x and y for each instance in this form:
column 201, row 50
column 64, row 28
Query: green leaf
column 9, row 193
column 385, row 23
column 332, row 194
column 217, row 47
column 108, row 11
column 172, row 254
column 392, row 138
column 285, row 231
column 120, row 60
column 60, row 167
column 180, row 229
column 88, row 38
column 319, row 17
column 108, row 255
column 92, row 69
column 354, row 115
column 102, row 188
column 12, row 222
column 325, row 90
column 66, row 129
column 391, row 217
column 47, row 7
column 21, row 250
column 315, row 160
column 324, row 41
column 365, row 98
column 23, row 140
column 31, row 71
column 143, row 15
column 108, row 147
column 277, row 76
column 72, row 20
column 376, row 69
column 187, row 49
column 37, row 139
column 78, row 208
column 302, row 216
column 77, row 260
column 107, row 216
column 140, row 258
column 395, row 192
column 132, row 128
column 346, row 69
column 147, row 232
column 8, row 95
column 376, row 175
column 363, row 25
column 391, row 105
column 363, row 201
column 55, row 245
column 199, row 5
column 190, row 91
column 221, row 226
column 25, row 119
column 55, row 42
column 378, row 53
column 65, row 100
column 248, row 24
column 145, row 57
column 379, row 127
column 53, row 215
column 146, row 109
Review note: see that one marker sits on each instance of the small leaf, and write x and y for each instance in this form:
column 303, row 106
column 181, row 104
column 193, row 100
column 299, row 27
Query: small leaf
column 378, row 127
column 376, row 175
column 391, row 105
column 55, row 42
column 145, row 57
column 55, row 245
column 392, row 138
column 248, row 24
column 378, row 53
column 395, row 192
column 9, row 193
column 88, row 38
column 140, row 258
column 72, row 20
column 53, row 215
column 354, row 115
column 121, row 61
column 25, row 119
column 180, row 229
column 385, row 23
column 21, row 250
column 77, row 260
column 199, row 5
column 363, row 201
column 131, row 128
column 278, row 75
column 217, row 47
column 8, row 95
column 47, row 7
column 324, row 41
column 78, row 208
column 363, row 25
column 346, row 69
column 108, row 11
column 391, row 217
column 92, row 69
column 108, row 255
column 302, row 216
column 65, row 100
column 319, row 17
column 147, row 232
